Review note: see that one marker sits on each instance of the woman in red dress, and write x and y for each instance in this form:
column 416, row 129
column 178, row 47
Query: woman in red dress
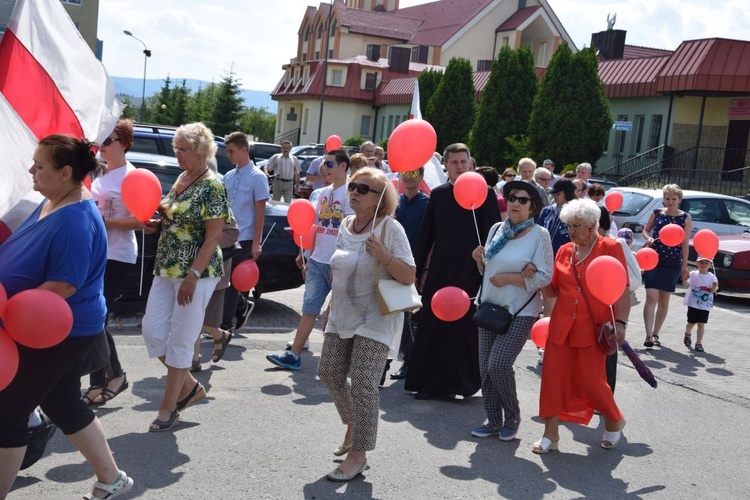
column 574, row 382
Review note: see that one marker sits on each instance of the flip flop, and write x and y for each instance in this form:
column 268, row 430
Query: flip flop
column 165, row 425
column 220, row 347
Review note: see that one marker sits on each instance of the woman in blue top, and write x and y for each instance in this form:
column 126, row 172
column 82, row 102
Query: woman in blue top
column 61, row 247
column 660, row 282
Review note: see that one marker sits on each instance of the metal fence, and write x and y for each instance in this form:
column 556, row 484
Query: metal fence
column 637, row 163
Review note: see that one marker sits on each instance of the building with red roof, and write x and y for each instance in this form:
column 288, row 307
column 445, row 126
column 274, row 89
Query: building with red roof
column 351, row 54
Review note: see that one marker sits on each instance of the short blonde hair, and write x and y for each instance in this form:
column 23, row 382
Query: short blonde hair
column 199, row 136
column 389, row 200
column 673, row 189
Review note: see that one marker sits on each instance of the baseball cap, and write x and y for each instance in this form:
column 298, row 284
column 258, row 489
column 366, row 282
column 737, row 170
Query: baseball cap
column 700, row 257
column 563, row 185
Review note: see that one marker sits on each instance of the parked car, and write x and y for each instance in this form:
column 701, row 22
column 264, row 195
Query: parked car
column 309, row 150
column 720, row 213
column 606, row 184
column 304, row 164
column 263, row 150
column 731, row 263
column 278, row 269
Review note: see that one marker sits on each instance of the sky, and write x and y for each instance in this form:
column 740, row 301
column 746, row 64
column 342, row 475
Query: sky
column 254, row 38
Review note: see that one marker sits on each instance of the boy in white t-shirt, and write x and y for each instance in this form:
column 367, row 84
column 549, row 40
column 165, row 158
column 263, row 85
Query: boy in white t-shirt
column 699, row 298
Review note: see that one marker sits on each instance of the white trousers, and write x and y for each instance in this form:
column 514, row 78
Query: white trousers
column 169, row 329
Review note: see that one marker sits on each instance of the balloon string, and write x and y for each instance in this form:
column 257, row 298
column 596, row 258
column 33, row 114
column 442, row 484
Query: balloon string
column 476, row 226
column 377, row 208
column 612, row 314
column 143, row 257
column 263, row 241
column 301, row 251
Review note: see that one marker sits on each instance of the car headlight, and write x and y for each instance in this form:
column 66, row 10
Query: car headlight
column 634, row 226
column 727, row 261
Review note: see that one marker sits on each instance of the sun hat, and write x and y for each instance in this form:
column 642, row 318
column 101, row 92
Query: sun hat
column 529, row 188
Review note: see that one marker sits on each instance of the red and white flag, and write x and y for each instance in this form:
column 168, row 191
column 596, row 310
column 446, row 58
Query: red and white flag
column 50, row 82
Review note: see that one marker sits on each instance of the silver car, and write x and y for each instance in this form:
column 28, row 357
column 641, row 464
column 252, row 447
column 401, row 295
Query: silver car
column 720, row 213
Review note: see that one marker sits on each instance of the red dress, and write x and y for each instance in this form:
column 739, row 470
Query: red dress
column 574, row 381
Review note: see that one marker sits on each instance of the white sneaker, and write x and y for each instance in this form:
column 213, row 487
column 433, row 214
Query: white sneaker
column 291, row 342
column 541, row 357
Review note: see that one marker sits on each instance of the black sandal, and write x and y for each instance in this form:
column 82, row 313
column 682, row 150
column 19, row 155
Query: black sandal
column 656, row 341
column 197, row 393
column 87, row 399
column 165, row 425
column 108, row 394
column 220, row 347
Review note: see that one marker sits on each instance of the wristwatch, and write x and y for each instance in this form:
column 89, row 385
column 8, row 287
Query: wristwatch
column 622, row 322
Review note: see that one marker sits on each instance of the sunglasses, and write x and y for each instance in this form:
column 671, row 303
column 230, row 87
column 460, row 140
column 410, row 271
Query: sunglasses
column 510, row 175
column 543, row 179
column 330, row 164
column 410, row 175
column 109, row 140
column 361, row 188
column 523, row 200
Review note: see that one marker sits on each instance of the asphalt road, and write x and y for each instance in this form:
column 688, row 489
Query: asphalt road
column 268, row 433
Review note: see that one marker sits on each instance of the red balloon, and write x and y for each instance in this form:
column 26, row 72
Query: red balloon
column 333, row 143
column 613, row 201
column 470, row 190
column 301, row 215
column 87, row 182
column 671, row 235
column 450, row 303
column 141, row 193
column 305, row 240
column 38, row 318
column 706, row 243
column 245, row 276
column 3, row 299
column 411, row 145
column 8, row 359
column 647, row 258
column 606, row 278
column 540, row 332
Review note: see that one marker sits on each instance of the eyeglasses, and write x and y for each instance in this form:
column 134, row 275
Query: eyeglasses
column 510, row 175
column 361, row 188
column 181, row 150
column 410, row 175
column 330, row 164
column 523, row 200
column 109, row 140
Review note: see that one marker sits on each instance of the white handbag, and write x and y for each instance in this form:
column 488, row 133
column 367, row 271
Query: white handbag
column 394, row 296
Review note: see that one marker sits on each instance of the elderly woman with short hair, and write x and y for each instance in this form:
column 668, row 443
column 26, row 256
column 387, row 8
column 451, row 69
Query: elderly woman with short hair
column 358, row 337
column 188, row 267
column 574, row 382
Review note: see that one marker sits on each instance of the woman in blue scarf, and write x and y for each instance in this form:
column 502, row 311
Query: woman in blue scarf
column 516, row 263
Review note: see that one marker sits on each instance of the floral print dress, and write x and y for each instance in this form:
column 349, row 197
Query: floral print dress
column 183, row 229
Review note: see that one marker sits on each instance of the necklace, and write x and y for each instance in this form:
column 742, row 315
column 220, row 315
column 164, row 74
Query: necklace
column 193, row 182
column 354, row 225
column 581, row 261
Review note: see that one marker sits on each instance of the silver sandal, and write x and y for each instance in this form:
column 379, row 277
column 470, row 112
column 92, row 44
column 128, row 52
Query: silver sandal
column 123, row 484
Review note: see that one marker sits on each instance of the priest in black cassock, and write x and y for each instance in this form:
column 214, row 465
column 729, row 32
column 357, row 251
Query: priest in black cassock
column 444, row 360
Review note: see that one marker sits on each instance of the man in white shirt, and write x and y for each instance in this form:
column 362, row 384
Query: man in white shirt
column 332, row 206
column 286, row 168
column 247, row 189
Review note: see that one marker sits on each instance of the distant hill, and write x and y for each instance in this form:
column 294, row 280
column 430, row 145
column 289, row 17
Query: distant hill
column 134, row 87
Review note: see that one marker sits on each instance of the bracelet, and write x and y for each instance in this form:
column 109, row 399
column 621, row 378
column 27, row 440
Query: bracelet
column 195, row 272
column 389, row 262
column 622, row 322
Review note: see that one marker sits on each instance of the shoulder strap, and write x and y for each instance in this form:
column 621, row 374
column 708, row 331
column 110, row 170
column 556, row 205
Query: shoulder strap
column 382, row 240
column 585, row 299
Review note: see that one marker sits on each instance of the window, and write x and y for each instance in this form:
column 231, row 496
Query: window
column 319, row 34
column 317, row 55
column 398, row 120
column 638, row 133
column 739, row 212
column 304, row 121
column 330, row 54
column 308, row 33
column 506, row 41
column 334, row 27
column 364, row 129
column 296, row 75
column 304, row 56
column 703, row 209
column 337, row 78
column 655, row 135
column 390, row 124
column 305, row 74
column 291, row 116
column 371, row 81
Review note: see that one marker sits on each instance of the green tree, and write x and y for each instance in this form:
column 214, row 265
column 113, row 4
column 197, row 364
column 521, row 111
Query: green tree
column 354, row 141
column 130, row 110
column 228, row 106
column 503, row 117
column 201, row 104
column 570, row 119
column 428, row 84
column 451, row 108
column 259, row 122
column 160, row 105
column 177, row 106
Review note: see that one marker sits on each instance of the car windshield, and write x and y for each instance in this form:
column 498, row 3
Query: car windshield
column 633, row 203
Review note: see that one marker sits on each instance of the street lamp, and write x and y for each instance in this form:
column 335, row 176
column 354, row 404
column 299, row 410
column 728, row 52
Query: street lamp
column 146, row 55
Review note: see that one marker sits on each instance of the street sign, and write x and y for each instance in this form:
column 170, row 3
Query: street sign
column 620, row 125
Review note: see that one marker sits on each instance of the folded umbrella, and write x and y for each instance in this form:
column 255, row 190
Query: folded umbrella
column 643, row 370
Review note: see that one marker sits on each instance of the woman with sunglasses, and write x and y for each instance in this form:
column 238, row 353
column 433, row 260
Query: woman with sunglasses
column 122, row 250
column 358, row 337
column 516, row 262
column 508, row 175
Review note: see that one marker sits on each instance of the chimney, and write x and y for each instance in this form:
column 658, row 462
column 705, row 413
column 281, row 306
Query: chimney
column 373, row 52
column 399, row 60
column 610, row 43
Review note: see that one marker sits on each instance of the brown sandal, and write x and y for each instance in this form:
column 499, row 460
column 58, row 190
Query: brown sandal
column 220, row 346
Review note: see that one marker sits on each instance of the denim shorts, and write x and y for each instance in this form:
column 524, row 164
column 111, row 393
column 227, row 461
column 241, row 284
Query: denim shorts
column 317, row 287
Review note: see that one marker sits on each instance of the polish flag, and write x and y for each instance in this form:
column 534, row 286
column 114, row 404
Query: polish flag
column 433, row 169
column 50, row 82
column 415, row 111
